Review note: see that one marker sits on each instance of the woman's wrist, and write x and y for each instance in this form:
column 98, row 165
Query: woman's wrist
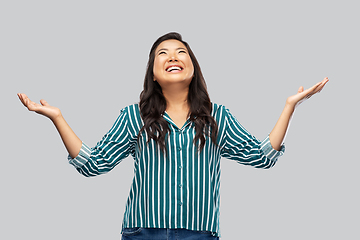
column 57, row 118
column 289, row 106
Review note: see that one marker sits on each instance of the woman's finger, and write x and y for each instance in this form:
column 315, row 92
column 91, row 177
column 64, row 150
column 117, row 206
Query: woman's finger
column 22, row 98
column 27, row 101
column 321, row 86
column 44, row 103
column 316, row 88
column 30, row 105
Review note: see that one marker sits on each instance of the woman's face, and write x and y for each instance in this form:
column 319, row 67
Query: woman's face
column 172, row 64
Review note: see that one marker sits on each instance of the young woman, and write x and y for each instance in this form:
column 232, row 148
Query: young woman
column 176, row 136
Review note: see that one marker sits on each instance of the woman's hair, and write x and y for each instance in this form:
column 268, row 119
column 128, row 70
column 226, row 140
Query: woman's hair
column 153, row 103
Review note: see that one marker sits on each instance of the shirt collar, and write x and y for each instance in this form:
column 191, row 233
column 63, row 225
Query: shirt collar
column 168, row 118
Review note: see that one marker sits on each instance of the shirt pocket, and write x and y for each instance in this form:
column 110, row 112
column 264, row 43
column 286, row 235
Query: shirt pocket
column 131, row 231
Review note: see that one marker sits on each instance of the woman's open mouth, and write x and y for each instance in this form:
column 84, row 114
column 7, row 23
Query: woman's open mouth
column 174, row 69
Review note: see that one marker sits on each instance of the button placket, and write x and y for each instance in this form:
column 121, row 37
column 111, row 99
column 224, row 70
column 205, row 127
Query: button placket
column 179, row 149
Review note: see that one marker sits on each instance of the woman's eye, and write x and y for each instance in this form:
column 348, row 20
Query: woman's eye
column 162, row 53
column 182, row 51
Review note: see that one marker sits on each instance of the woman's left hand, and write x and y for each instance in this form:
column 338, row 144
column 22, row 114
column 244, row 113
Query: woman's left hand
column 302, row 95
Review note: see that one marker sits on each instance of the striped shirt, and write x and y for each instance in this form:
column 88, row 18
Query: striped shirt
column 179, row 189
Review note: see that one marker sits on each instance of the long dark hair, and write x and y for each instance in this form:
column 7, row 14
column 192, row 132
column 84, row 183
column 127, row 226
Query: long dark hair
column 153, row 103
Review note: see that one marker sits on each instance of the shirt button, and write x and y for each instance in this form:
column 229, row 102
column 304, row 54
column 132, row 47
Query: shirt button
column 180, row 167
column 180, row 203
column 180, row 185
column 179, row 148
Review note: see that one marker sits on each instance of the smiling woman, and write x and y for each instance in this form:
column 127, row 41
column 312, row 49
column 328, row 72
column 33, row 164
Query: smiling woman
column 177, row 137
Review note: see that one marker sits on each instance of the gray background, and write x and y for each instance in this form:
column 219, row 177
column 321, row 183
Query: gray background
column 88, row 58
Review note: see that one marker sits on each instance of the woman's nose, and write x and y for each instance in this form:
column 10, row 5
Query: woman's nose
column 172, row 58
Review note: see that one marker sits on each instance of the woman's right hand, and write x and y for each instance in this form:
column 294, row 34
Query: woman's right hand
column 43, row 109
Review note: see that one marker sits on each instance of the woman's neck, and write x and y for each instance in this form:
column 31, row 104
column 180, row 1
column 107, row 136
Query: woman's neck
column 176, row 99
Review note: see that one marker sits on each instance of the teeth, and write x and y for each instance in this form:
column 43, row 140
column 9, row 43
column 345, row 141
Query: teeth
column 173, row 68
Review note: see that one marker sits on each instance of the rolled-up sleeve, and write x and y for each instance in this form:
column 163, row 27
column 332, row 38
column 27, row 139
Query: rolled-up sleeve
column 113, row 147
column 241, row 146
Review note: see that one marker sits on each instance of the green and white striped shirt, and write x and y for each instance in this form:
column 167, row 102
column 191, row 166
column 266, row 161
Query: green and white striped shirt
column 181, row 189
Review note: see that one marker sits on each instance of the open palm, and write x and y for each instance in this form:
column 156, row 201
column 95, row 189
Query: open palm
column 44, row 108
column 303, row 95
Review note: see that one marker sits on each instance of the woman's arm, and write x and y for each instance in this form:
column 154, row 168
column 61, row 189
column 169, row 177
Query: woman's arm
column 69, row 138
column 278, row 133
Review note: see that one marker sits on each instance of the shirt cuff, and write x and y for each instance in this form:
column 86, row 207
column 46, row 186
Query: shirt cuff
column 82, row 158
column 269, row 151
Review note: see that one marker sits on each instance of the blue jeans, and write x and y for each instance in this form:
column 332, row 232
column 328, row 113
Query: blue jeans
column 165, row 234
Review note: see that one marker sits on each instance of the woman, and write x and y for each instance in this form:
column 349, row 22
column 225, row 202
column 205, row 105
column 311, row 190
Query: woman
column 176, row 136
